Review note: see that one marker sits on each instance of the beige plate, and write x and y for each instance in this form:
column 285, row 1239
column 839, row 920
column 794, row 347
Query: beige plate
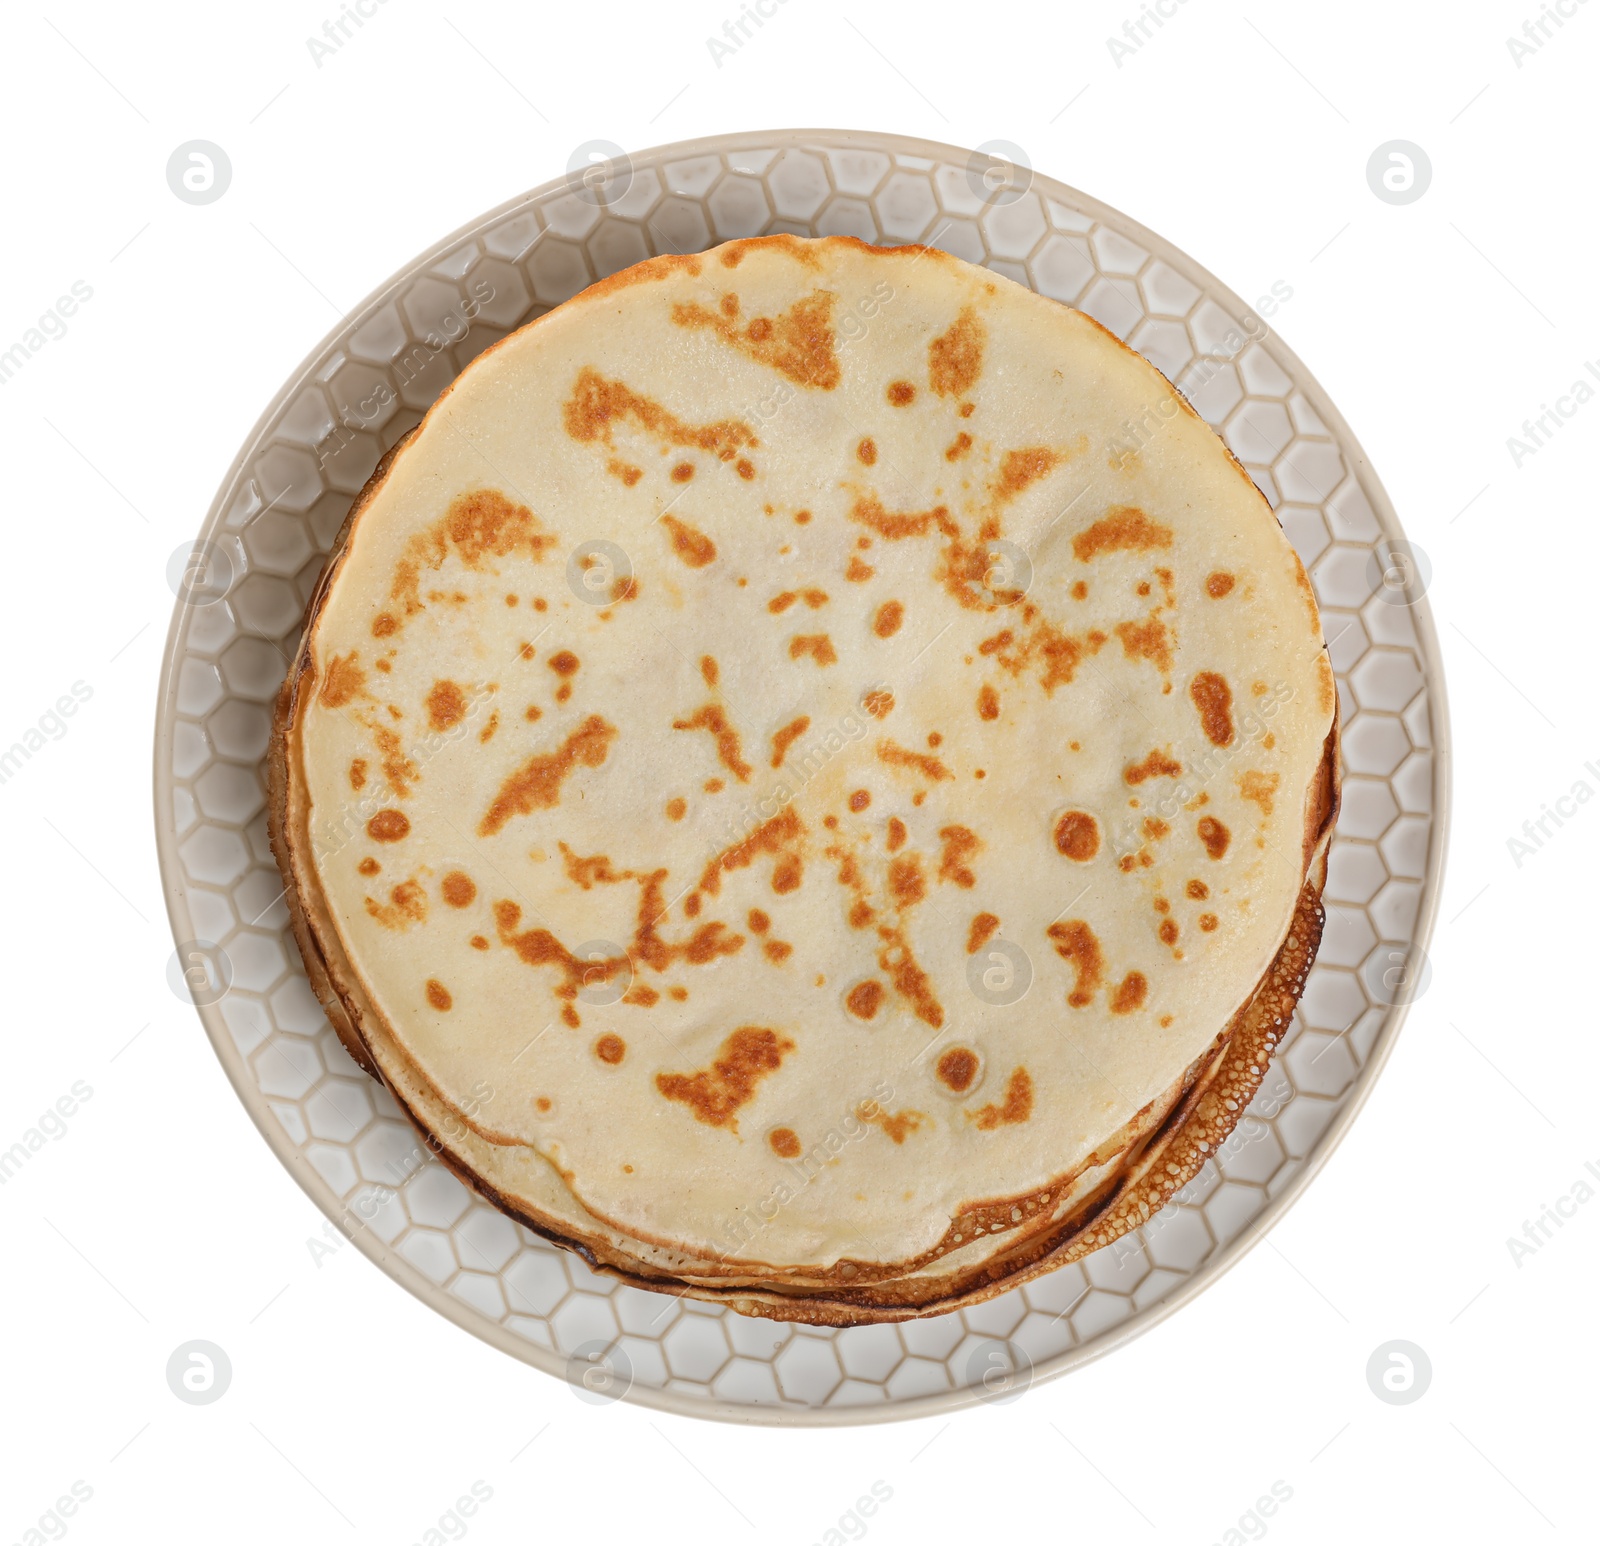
column 286, row 496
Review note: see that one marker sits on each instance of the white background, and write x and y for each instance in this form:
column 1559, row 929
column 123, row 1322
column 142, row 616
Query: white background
column 355, row 1414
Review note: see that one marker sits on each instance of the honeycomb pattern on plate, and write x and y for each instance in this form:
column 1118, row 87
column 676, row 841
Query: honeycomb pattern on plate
column 274, row 519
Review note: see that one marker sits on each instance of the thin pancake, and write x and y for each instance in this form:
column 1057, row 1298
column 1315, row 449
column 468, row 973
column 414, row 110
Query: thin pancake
column 824, row 743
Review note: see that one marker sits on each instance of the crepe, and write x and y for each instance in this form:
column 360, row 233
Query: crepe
column 809, row 774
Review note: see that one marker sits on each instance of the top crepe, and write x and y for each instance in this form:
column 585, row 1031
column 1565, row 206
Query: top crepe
column 816, row 742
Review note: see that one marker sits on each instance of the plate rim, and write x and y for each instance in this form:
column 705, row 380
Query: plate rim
column 397, row 1267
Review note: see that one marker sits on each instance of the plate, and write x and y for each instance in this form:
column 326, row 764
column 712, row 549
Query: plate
column 243, row 589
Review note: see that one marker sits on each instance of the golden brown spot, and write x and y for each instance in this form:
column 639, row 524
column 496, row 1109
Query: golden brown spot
column 536, row 785
column 677, row 994
column 563, row 692
column 896, row 1125
column 958, row 447
column 711, row 717
column 596, row 404
column 692, row 546
column 388, row 826
column 1157, row 765
column 691, row 905
column 1080, row 590
column 487, row 733
column 438, row 994
column 1124, row 528
column 757, row 921
column 897, row 834
column 865, row 999
column 866, row 451
column 895, row 526
column 1212, row 696
column 714, row 786
column 906, row 883
column 358, row 773
column 1259, row 789
column 1218, row 583
column 1129, row 994
column 641, row 995
column 960, row 844
column 407, row 904
column 786, row 874
column 1208, row 922
column 783, row 739
column 478, row 526
column 478, row 942
column 1020, row 468
column 533, row 713
column 344, row 681
column 592, row 870
column 458, row 889
column 1078, row 836
column 446, row 705
column 369, row 866
column 745, row 468
column 887, row 623
column 771, row 837
column 1017, row 1105
column 983, row 928
column 957, row 1068
column 898, row 756
column 817, row 645
column 860, row 799
column 399, row 771
column 1198, row 890
column 955, row 357
column 611, row 1049
column 782, row 601
column 716, row 1094
column 563, row 663
column 708, row 670
column 1075, row 942
column 683, row 472
column 1155, row 828
column 857, row 571
column 676, row 807
column 798, row 342
column 801, row 518
column 1148, row 640
column 1168, row 932
column 878, row 702
column 909, row 979
column 784, row 1142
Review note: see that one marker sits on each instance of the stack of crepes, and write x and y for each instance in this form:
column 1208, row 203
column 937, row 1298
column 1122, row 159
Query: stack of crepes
column 809, row 775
